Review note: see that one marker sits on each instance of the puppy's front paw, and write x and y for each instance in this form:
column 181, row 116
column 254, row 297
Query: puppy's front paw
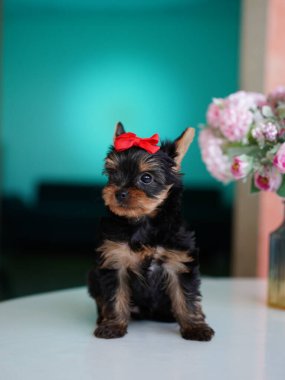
column 201, row 332
column 110, row 331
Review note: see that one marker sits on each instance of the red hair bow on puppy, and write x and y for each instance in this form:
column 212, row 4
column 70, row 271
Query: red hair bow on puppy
column 127, row 140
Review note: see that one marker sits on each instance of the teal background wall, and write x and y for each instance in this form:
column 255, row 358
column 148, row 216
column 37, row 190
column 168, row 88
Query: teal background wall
column 71, row 74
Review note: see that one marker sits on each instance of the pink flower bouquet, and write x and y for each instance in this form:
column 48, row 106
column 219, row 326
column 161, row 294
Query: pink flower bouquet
column 245, row 137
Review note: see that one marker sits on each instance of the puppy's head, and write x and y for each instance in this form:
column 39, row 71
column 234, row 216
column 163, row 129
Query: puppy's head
column 139, row 182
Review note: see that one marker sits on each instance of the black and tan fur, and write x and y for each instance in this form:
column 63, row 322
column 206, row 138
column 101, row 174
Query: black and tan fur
column 146, row 262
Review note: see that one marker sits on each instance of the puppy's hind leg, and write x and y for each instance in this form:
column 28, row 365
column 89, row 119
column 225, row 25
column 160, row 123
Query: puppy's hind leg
column 183, row 291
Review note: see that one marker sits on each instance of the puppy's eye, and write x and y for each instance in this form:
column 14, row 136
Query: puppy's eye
column 146, row 178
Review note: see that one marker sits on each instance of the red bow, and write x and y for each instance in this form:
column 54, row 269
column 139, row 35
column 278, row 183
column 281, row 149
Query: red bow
column 127, row 140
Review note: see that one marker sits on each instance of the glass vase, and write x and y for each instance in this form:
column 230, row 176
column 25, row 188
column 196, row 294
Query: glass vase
column 276, row 289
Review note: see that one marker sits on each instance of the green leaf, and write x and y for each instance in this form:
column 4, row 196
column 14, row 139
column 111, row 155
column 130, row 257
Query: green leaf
column 281, row 111
column 253, row 188
column 281, row 190
column 238, row 151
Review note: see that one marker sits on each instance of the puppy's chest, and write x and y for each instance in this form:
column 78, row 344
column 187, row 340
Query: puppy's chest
column 119, row 256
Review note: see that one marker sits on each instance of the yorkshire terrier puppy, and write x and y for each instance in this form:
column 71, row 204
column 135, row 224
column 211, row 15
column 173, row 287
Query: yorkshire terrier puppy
column 146, row 262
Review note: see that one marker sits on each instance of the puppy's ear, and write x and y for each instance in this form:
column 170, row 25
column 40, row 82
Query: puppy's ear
column 119, row 129
column 182, row 144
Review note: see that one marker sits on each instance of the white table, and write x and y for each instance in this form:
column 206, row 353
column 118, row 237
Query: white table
column 49, row 336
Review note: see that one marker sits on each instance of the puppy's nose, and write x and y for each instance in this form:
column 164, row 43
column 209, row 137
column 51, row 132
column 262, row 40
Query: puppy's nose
column 122, row 195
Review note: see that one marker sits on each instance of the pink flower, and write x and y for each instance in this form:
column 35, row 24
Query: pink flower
column 235, row 123
column 216, row 162
column 258, row 98
column 270, row 131
column 268, row 180
column 279, row 159
column 241, row 166
column 247, row 99
column 237, row 115
column 264, row 131
column 213, row 113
